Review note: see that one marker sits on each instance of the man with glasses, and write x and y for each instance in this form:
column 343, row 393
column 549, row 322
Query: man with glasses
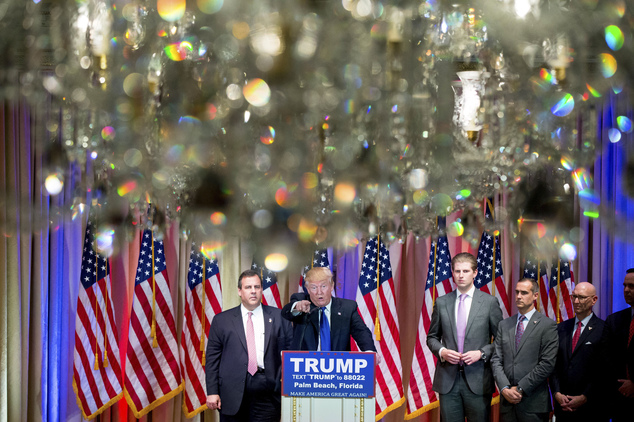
column 322, row 322
column 576, row 383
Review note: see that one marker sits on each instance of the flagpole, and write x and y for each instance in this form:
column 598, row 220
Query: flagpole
column 539, row 282
column 558, row 290
column 493, row 271
column 494, row 243
column 433, row 296
column 96, row 303
column 153, row 332
column 377, row 327
column 106, row 318
column 203, row 317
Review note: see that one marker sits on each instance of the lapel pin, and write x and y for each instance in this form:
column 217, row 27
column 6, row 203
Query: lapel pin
column 589, row 328
column 338, row 313
column 270, row 319
column 534, row 322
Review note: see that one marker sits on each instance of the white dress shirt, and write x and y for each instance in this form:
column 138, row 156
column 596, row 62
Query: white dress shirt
column 258, row 329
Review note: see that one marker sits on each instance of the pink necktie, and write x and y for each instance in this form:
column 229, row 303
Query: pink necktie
column 462, row 321
column 575, row 338
column 253, row 360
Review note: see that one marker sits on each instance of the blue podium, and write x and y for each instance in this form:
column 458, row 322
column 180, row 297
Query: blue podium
column 328, row 386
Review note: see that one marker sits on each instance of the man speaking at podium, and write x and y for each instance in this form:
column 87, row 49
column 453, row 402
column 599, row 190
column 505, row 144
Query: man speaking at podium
column 322, row 322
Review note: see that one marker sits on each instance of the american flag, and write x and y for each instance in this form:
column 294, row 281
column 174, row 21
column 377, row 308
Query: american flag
column 389, row 378
column 536, row 269
column 420, row 396
column 490, row 267
column 562, row 283
column 96, row 369
column 152, row 374
column 270, row 291
column 320, row 259
column 203, row 274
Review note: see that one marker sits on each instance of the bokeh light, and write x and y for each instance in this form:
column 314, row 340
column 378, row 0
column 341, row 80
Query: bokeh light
column 564, row 106
column 345, row 193
column 455, row 229
column 257, row 92
column 209, row 6
column 614, row 135
column 608, row 65
column 218, row 219
column 267, row 136
column 625, row 124
column 171, row 10
column 614, row 37
column 276, row 262
column 568, row 252
column 211, row 248
column 105, row 240
column 54, row 183
column 441, row 204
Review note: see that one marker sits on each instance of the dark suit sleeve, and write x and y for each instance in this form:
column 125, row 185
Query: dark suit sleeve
column 546, row 360
column 286, row 310
column 213, row 353
column 553, row 380
column 287, row 330
column 495, row 316
column 434, row 334
column 497, row 360
column 360, row 332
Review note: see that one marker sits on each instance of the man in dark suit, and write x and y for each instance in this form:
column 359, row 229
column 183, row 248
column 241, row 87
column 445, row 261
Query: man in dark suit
column 619, row 331
column 576, row 383
column 243, row 367
column 462, row 325
column 525, row 354
column 311, row 331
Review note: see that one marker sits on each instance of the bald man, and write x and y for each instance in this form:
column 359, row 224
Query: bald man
column 576, row 383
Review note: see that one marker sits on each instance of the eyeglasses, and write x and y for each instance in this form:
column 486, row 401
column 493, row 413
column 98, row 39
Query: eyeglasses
column 579, row 298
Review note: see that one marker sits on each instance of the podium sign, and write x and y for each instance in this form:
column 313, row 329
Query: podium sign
column 328, row 374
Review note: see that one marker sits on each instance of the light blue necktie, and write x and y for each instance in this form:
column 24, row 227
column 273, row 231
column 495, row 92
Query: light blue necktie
column 324, row 331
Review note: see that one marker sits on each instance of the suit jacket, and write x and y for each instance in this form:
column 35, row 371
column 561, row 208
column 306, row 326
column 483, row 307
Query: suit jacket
column 484, row 317
column 620, row 359
column 580, row 371
column 345, row 321
column 228, row 358
column 530, row 366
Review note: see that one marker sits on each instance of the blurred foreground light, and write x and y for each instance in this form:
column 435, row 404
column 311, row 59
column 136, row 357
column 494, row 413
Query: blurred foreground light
column 276, row 262
column 54, row 184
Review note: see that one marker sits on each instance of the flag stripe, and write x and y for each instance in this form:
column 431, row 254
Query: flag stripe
column 376, row 269
column 203, row 274
column 152, row 373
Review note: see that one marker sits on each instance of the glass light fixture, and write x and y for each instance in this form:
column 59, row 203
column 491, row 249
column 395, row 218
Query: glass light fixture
column 468, row 92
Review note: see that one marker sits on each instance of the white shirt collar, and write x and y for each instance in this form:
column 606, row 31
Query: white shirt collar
column 469, row 293
column 584, row 321
column 528, row 314
column 245, row 311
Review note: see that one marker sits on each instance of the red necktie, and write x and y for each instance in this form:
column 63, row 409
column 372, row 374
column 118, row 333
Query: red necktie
column 575, row 338
column 253, row 360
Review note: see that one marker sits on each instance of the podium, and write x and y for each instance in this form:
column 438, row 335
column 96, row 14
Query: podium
column 328, row 386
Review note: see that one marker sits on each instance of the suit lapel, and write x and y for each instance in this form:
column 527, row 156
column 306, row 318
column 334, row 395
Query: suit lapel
column 335, row 322
column 238, row 326
column 584, row 334
column 451, row 309
column 476, row 306
column 530, row 327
